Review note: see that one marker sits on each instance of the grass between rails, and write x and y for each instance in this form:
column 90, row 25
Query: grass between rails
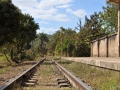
column 47, row 78
column 98, row 78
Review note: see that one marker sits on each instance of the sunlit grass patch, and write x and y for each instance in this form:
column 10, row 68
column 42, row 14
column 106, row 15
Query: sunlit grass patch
column 2, row 58
column 4, row 62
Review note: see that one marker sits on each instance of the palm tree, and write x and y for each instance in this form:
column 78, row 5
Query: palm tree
column 43, row 42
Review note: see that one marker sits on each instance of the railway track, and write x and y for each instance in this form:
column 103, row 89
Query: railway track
column 76, row 82
column 19, row 80
column 68, row 79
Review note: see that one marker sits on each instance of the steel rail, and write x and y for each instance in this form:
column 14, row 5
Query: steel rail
column 76, row 82
column 22, row 77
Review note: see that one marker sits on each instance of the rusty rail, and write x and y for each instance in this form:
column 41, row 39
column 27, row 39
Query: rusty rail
column 21, row 78
column 76, row 82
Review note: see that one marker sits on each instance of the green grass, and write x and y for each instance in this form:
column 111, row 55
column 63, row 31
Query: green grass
column 47, row 72
column 4, row 64
column 99, row 78
column 2, row 58
column 4, row 70
column 17, row 87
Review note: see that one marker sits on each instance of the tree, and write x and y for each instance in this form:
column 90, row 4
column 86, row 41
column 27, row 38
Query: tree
column 91, row 30
column 9, row 22
column 96, row 27
column 62, row 42
column 109, row 18
column 79, row 25
column 43, row 43
column 17, row 30
column 53, row 43
column 27, row 32
column 69, row 38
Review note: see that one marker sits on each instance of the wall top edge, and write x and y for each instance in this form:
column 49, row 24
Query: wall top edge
column 107, row 36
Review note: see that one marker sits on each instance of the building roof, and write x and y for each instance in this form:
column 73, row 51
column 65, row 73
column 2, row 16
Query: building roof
column 113, row 1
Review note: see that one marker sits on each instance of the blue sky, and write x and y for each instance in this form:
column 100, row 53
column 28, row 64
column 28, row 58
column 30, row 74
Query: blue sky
column 53, row 14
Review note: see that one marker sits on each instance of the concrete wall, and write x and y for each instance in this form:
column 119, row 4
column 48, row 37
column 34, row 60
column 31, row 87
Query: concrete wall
column 113, row 46
column 105, row 47
column 95, row 48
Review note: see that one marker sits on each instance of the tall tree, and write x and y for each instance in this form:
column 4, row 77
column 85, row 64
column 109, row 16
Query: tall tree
column 63, row 41
column 96, row 27
column 79, row 25
column 9, row 21
column 53, row 43
column 27, row 32
column 109, row 18
column 89, row 31
column 43, row 42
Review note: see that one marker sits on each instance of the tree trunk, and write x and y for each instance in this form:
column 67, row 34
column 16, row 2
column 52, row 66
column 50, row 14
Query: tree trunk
column 7, row 58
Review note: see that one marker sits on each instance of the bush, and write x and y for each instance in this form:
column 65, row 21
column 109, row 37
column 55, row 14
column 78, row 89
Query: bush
column 30, row 55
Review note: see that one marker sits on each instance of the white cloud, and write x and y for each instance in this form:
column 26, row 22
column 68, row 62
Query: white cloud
column 47, row 30
column 64, row 6
column 47, row 11
column 79, row 13
column 43, row 22
column 51, row 3
column 44, row 9
column 61, row 17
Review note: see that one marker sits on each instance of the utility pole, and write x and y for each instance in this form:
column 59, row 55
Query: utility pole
column 118, row 36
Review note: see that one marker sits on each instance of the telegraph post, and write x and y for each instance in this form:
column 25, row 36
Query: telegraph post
column 117, row 2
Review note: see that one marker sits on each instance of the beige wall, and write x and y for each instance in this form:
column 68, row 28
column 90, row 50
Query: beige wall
column 105, row 47
column 112, row 46
column 102, row 47
column 95, row 49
